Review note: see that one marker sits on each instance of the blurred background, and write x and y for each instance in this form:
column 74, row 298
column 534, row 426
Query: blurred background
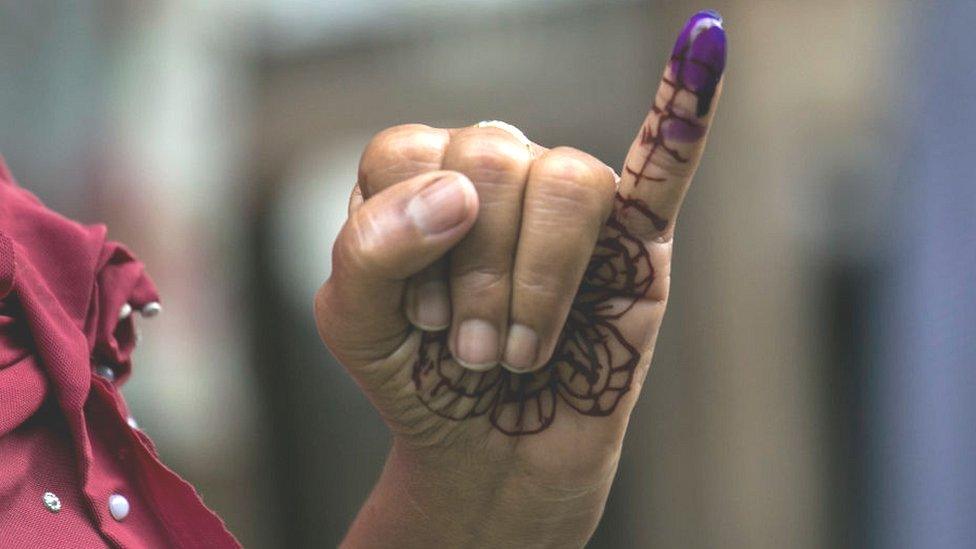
column 814, row 381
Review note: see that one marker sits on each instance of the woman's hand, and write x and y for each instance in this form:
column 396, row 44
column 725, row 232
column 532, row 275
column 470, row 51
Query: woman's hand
column 498, row 302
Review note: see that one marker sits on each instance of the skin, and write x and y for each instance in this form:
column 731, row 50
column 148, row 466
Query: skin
column 464, row 259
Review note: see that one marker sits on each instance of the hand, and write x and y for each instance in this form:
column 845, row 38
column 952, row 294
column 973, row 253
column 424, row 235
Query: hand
column 498, row 302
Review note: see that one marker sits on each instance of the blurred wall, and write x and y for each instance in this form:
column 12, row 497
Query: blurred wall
column 923, row 447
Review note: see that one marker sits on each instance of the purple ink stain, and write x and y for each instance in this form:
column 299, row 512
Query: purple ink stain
column 698, row 58
column 681, row 129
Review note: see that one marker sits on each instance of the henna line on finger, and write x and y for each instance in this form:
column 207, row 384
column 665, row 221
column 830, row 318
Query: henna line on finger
column 654, row 136
column 592, row 366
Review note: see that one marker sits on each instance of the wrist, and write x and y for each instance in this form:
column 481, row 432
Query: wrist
column 429, row 497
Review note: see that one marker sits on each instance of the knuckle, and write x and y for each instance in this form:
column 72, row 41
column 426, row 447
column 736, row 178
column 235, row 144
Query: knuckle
column 563, row 163
column 402, row 151
column 359, row 247
column 572, row 165
column 571, row 176
column 489, row 155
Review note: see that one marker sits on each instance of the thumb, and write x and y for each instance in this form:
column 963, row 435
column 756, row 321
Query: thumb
column 388, row 238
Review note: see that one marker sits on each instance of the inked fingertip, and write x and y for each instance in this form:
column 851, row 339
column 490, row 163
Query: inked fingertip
column 698, row 57
column 714, row 14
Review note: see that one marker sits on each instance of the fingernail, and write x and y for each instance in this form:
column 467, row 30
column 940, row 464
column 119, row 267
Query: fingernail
column 433, row 305
column 477, row 345
column 521, row 348
column 441, row 205
column 698, row 58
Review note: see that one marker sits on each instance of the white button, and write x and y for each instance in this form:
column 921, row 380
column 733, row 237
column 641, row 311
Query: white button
column 125, row 311
column 132, row 422
column 152, row 308
column 118, row 506
column 105, row 372
column 52, row 502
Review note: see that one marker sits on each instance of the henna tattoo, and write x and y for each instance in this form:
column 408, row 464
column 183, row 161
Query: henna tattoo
column 591, row 369
column 593, row 365
column 696, row 66
column 660, row 223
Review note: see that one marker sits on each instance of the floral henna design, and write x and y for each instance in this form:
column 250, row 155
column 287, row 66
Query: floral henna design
column 696, row 66
column 593, row 365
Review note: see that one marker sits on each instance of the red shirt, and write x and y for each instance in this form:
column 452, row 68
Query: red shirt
column 73, row 471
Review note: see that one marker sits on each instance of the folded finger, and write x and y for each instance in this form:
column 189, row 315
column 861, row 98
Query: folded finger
column 481, row 265
column 394, row 155
column 568, row 197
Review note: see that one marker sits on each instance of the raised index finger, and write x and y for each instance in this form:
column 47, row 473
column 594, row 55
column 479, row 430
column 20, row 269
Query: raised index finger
column 664, row 156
